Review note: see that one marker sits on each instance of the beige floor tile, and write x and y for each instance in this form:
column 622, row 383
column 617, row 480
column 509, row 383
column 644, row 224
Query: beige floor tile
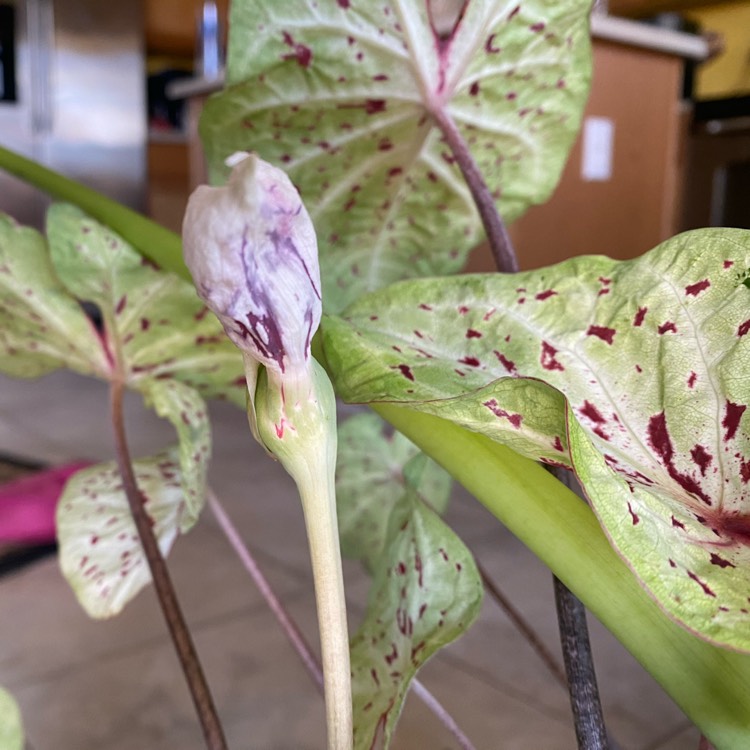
column 137, row 700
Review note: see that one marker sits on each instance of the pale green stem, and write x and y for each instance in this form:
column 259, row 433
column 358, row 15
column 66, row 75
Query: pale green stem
column 318, row 497
column 710, row 684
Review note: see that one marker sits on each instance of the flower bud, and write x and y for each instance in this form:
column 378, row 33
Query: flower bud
column 253, row 254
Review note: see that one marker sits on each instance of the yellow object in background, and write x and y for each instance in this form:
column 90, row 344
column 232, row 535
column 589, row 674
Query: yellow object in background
column 728, row 74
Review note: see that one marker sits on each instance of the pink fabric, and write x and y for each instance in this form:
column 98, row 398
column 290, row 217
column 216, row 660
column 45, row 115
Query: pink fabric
column 27, row 505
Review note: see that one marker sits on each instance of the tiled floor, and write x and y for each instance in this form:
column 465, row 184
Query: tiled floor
column 116, row 685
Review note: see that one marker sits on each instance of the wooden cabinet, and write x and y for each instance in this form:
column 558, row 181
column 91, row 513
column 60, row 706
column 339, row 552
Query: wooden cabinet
column 171, row 25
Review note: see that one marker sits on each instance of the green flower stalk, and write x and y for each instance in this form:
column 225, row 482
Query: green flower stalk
column 252, row 251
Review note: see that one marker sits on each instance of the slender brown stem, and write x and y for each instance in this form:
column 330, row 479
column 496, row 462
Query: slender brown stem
column 588, row 716
column 520, row 623
column 178, row 630
column 579, row 665
column 705, row 744
column 294, row 634
column 494, row 226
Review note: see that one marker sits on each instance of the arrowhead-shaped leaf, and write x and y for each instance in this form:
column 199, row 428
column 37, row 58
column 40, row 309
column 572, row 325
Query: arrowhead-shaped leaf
column 652, row 356
column 100, row 553
column 342, row 94
column 425, row 594
column 373, row 469
column 156, row 328
column 41, row 326
column 11, row 728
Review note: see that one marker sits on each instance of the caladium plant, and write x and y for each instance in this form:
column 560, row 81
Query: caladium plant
column 631, row 374
column 649, row 356
column 352, row 99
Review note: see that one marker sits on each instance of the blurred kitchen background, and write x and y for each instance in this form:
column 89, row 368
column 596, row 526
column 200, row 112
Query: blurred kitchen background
column 110, row 93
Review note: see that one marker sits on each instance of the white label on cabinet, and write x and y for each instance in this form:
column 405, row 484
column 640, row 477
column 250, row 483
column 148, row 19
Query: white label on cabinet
column 596, row 159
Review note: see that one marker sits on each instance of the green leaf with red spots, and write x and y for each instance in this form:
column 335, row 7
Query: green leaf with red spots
column 652, row 356
column 41, row 326
column 468, row 377
column 155, row 327
column 345, row 96
column 426, row 592
column 159, row 338
column 11, row 728
column 373, row 469
column 100, row 554
column 186, row 410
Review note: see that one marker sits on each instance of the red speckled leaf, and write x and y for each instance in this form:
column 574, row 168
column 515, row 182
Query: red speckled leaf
column 100, row 553
column 391, row 348
column 155, row 327
column 371, row 477
column 41, row 326
column 652, row 356
column 426, row 592
column 342, row 95
column 186, row 410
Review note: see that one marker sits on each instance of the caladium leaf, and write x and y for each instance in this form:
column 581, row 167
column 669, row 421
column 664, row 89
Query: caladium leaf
column 426, row 592
column 651, row 355
column 155, row 327
column 100, row 553
column 460, row 374
column 186, row 410
column 11, row 728
column 41, row 326
column 345, row 96
column 373, row 469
